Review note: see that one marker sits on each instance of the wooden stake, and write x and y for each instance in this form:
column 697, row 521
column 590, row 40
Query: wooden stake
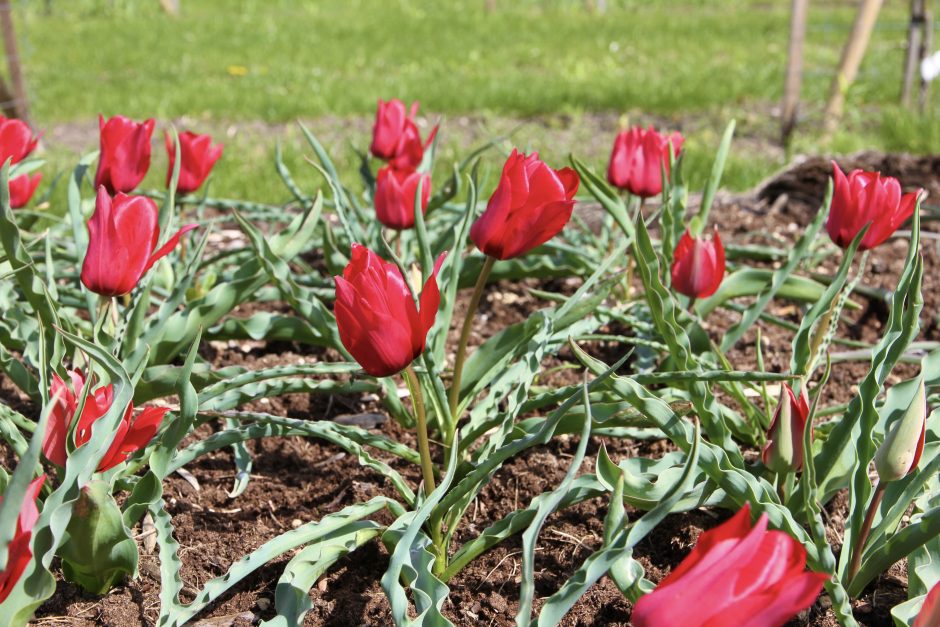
column 851, row 59
column 925, row 48
column 20, row 103
column 915, row 33
column 794, row 78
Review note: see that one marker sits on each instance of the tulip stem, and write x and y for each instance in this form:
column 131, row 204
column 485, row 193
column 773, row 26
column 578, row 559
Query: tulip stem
column 866, row 529
column 465, row 335
column 424, row 449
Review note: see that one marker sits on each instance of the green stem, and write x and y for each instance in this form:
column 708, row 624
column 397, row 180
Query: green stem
column 424, row 449
column 866, row 529
column 465, row 334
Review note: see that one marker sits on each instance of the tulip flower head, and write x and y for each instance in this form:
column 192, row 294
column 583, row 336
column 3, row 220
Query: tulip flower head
column 784, row 449
column 698, row 265
column 639, row 158
column 22, row 189
column 903, row 445
column 197, row 156
column 929, row 615
column 395, row 192
column 531, row 204
column 395, row 136
column 378, row 321
column 132, row 433
column 735, row 575
column 19, row 552
column 866, row 198
column 122, row 243
column 125, row 153
column 16, row 140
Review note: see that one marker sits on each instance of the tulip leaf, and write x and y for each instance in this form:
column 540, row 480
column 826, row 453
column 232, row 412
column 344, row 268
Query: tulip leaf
column 697, row 225
column 608, row 198
column 754, row 282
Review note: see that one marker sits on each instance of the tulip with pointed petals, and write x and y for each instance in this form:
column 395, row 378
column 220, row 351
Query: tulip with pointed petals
column 378, row 321
column 866, row 198
column 395, row 192
column 125, row 153
column 22, row 189
column 698, row 265
column 784, row 449
column 639, row 158
column 395, row 136
column 16, row 140
column 19, row 552
column 197, row 156
column 736, row 575
column 531, row 204
column 123, row 234
column 903, row 445
column 132, row 433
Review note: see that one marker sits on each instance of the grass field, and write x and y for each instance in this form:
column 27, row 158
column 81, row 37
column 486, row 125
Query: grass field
column 243, row 69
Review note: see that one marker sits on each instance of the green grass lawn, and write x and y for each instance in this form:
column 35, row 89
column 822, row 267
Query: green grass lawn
column 253, row 64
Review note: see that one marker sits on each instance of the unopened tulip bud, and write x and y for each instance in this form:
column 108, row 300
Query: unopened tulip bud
column 698, row 265
column 784, row 449
column 900, row 453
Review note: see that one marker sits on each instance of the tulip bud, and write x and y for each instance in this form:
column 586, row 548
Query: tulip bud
column 378, row 321
column 16, row 140
column 698, row 265
column 22, row 189
column 900, row 452
column 122, row 238
column 197, row 156
column 866, row 198
column 125, row 153
column 784, row 449
column 639, row 158
column 531, row 204
column 395, row 192
column 391, row 119
column 19, row 552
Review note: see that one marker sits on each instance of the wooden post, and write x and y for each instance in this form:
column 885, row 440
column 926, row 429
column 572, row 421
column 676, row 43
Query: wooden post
column 912, row 59
column 926, row 46
column 852, row 55
column 20, row 103
column 794, row 78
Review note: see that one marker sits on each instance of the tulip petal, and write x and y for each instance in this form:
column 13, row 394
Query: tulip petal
column 167, row 248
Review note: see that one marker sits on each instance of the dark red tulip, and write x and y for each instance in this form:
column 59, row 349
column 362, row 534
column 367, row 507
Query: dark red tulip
column 638, row 159
column 929, row 615
column 735, row 575
column 197, row 156
column 391, row 119
column 16, row 140
column 783, row 451
column 866, row 198
column 125, row 153
column 395, row 192
column 19, row 552
column 123, row 234
column 378, row 321
column 531, row 204
column 698, row 265
column 132, row 434
column 22, row 189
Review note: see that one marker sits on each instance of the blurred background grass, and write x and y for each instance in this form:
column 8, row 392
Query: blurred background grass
column 571, row 75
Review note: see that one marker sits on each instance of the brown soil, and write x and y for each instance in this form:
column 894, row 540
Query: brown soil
column 297, row 480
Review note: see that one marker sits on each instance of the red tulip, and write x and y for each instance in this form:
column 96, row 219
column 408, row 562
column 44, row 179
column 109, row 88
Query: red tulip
column 377, row 319
column 122, row 243
column 929, row 615
column 638, row 159
column 866, row 198
column 132, row 434
column 698, row 265
column 22, row 189
column 784, row 449
column 395, row 192
column 395, row 136
column 197, row 156
column 125, row 153
column 531, row 204
column 16, row 140
column 19, row 552
column 735, row 575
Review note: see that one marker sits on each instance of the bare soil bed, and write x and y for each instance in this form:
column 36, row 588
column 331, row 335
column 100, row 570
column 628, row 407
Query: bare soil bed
column 296, row 480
